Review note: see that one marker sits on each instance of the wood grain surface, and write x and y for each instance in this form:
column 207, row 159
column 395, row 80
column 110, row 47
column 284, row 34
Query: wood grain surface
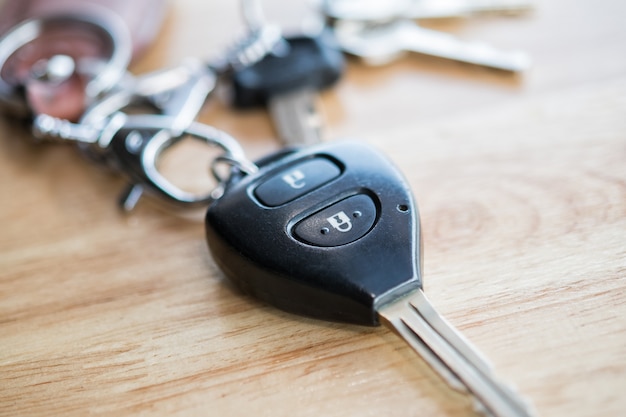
column 521, row 183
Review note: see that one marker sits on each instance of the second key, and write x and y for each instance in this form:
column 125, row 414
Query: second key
column 287, row 83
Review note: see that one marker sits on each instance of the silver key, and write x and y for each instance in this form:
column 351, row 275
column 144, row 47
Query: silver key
column 442, row 9
column 452, row 356
column 294, row 113
column 381, row 43
column 380, row 11
column 293, row 101
column 287, row 82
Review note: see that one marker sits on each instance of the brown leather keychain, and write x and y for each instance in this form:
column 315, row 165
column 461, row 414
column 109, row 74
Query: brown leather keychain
column 57, row 56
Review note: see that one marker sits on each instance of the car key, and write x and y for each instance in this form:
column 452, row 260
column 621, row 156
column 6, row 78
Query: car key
column 332, row 231
column 373, row 10
column 382, row 42
column 288, row 84
column 442, row 9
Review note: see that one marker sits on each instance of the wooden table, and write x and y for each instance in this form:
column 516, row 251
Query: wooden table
column 521, row 184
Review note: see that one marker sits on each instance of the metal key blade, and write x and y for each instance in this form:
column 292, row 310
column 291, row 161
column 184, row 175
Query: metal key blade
column 441, row 9
column 286, row 81
column 415, row 319
column 381, row 43
column 296, row 117
column 289, row 84
column 381, row 11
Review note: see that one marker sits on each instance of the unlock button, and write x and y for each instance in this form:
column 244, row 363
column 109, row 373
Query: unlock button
column 338, row 224
column 296, row 181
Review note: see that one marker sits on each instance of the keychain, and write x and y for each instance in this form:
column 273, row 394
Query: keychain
column 330, row 231
column 96, row 92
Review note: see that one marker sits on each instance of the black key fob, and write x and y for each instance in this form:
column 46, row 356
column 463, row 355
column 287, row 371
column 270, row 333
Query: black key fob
column 330, row 231
column 309, row 61
column 333, row 232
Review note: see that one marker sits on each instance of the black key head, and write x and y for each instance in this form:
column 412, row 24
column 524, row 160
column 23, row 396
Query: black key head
column 314, row 62
column 330, row 231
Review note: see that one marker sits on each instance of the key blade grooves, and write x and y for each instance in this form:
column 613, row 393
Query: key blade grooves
column 496, row 398
column 424, row 308
column 415, row 342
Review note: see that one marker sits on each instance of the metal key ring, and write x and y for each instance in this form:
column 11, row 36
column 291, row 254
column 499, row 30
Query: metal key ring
column 137, row 155
column 155, row 147
column 107, row 24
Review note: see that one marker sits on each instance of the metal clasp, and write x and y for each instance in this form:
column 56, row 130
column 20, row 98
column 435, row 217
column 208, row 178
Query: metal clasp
column 133, row 144
column 138, row 144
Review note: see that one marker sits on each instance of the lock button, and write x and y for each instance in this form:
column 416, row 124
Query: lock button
column 339, row 224
column 296, row 181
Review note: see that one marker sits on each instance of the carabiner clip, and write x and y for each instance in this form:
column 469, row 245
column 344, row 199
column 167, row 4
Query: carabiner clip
column 141, row 141
column 133, row 145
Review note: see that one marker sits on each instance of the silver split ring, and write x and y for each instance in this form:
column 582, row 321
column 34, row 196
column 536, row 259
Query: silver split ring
column 146, row 173
column 106, row 24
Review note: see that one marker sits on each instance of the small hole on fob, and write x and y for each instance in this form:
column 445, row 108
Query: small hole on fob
column 325, row 231
column 403, row 208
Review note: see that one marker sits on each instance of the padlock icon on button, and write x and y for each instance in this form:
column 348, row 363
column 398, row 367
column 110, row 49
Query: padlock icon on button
column 340, row 222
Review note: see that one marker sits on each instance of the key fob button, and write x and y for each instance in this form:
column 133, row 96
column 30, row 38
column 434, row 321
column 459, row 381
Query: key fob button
column 296, row 181
column 339, row 224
